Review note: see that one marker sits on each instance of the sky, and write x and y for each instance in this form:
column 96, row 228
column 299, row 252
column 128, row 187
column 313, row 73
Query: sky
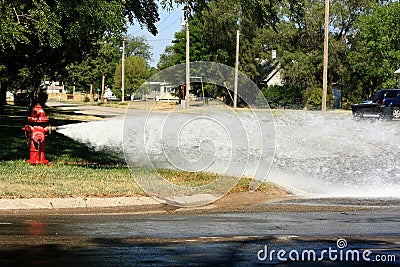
column 170, row 22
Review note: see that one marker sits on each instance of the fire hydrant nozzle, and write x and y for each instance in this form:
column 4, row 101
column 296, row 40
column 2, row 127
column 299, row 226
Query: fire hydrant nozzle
column 36, row 130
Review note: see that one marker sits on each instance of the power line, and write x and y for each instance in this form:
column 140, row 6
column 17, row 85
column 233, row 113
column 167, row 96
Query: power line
column 159, row 40
column 160, row 23
column 169, row 25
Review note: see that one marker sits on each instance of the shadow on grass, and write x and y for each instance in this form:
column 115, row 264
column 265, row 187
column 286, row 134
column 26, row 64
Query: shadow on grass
column 60, row 149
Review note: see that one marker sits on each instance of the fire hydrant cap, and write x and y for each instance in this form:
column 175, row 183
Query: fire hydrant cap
column 38, row 115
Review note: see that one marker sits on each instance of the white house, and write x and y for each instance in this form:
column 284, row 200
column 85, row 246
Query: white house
column 108, row 94
column 274, row 78
column 54, row 87
column 274, row 72
column 398, row 72
column 9, row 96
column 159, row 91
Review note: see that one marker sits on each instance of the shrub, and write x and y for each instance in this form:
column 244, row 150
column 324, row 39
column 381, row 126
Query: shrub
column 313, row 98
column 30, row 99
column 287, row 96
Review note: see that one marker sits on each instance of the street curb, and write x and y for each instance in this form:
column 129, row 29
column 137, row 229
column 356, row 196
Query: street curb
column 72, row 203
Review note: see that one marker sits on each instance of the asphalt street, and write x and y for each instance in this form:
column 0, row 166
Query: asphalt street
column 220, row 239
column 365, row 233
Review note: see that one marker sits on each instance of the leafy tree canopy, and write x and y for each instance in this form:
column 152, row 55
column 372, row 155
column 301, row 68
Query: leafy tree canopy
column 375, row 53
column 363, row 53
column 138, row 46
column 41, row 37
column 136, row 73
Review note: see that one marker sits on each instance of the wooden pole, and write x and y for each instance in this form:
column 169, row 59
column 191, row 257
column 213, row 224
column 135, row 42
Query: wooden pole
column 187, row 57
column 325, row 70
column 235, row 88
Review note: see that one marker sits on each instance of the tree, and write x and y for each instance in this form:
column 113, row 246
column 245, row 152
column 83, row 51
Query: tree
column 213, row 34
column 295, row 30
column 299, row 42
column 213, row 37
column 136, row 73
column 375, row 53
column 104, row 61
column 168, row 59
column 41, row 37
column 91, row 70
column 138, row 46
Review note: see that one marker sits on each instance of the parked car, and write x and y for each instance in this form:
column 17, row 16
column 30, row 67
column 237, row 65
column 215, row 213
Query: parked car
column 385, row 104
column 392, row 99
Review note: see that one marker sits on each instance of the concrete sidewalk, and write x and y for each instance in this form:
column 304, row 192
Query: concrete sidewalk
column 241, row 201
column 72, row 203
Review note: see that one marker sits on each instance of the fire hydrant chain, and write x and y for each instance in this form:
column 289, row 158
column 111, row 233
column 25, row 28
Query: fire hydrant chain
column 36, row 131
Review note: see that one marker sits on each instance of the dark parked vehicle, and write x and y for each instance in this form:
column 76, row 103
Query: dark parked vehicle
column 385, row 105
column 392, row 99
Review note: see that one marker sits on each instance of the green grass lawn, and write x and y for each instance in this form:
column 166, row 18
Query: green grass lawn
column 77, row 169
column 21, row 180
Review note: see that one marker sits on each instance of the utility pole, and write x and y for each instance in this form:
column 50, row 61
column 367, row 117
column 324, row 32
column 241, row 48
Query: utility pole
column 235, row 87
column 91, row 93
column 103, row 67
column 102, row 88
column 123, row 71
column 325, row 70
column 187, row 84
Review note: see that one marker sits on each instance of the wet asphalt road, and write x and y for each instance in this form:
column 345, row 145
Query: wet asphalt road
column 221, row 239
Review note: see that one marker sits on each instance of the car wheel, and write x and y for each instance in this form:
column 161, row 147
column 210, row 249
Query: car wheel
column 357, row 115
column 396, row 113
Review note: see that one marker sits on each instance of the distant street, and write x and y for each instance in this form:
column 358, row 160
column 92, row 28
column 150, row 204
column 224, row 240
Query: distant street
column 104, row 112
column 221, row 239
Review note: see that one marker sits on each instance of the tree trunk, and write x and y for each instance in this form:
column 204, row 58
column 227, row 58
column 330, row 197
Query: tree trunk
column 3, row 96
column 91, row 93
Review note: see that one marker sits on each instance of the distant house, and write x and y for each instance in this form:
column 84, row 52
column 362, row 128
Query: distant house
column 274, row 71
column 9, row 96
column 108, row 94
column 158, row 91
column 54, row 87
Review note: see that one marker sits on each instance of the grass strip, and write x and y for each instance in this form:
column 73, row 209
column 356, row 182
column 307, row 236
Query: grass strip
column 78, row 170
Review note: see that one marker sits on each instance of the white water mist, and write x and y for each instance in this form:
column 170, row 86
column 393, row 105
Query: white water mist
column 324, row 155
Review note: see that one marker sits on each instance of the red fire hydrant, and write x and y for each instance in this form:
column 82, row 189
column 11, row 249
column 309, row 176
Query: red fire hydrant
column 36, row 131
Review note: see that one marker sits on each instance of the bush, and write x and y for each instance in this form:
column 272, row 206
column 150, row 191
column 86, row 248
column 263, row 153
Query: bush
column 287, row 96
column 313, row 98
column 29, row 99
column 22, row 99
column 86, row 99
